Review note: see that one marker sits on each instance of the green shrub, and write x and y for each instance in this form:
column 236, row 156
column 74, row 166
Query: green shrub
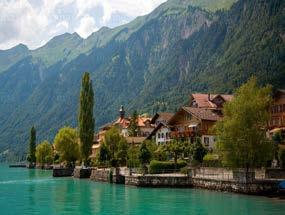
column 165, row 166
column 185, row 170
column 211, row 160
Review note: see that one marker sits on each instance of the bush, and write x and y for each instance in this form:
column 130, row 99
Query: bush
column 211, row 160
column 165, row 166
column 185, row 170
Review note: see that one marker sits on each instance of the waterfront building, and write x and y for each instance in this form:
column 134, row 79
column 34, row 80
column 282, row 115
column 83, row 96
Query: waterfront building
column 209, row 101
column 195, row 120
column 190, row 122
column 161, row 132
column 122, row 123
column 277, row 119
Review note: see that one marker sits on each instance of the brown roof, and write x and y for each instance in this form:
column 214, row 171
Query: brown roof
column 164, row 115
column 203, row 101
column 203, row 113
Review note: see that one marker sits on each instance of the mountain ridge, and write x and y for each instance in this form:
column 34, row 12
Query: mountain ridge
column 153, row 68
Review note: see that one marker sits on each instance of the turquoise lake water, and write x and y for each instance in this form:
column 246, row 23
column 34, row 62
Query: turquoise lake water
column 24, row 191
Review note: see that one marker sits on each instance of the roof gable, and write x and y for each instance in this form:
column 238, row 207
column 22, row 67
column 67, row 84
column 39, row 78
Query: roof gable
column 209, row 100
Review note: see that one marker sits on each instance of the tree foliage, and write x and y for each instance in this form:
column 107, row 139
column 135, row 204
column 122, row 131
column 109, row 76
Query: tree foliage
column 67, row 145
column 85, row 118
column 144, row 154
column 175, row 148
column 117, row 147
column 241, row 134
column 104, row 154
column 122, row 152
column 199, row 151
column 44, row 153
column 32, row 146
column 133, row 156
column 133, row 128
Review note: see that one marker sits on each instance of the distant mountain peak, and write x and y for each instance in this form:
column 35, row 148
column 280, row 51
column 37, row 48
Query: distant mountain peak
column 19, row 47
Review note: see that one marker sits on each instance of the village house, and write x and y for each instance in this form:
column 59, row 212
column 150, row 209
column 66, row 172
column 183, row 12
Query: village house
column 190, row 122
column 122, row 123
column 277, row 119
column 197, row 119
column 161, row 132
column 209, row 101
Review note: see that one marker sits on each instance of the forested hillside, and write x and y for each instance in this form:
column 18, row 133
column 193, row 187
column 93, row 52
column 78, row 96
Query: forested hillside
column 150, row 64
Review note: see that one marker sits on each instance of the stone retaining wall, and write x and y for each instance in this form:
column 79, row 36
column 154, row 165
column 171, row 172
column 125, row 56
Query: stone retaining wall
column 158, row 181
column 275, row 173
column 62, row 172
column 108, row 175
column 257, row 187
column 82, row 173
column 102, row 175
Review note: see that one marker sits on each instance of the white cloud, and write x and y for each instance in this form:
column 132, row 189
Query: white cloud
column 87, row 26
column 32, row 22
column 60, row 28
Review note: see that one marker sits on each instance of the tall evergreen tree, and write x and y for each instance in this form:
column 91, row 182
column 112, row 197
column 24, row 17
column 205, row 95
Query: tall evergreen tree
column 85, row 118
column 32, row 146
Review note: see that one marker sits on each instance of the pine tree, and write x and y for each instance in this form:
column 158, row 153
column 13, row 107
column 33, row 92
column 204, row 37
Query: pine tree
column 32, row 146
column 86, row 119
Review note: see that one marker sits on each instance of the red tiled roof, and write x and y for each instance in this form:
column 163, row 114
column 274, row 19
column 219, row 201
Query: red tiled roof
column 203, row 101
column 123, row 122
column 203, row 113
column 142, row 121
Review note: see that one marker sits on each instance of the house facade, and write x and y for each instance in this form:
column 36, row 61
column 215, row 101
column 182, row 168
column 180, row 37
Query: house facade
column 277, row 119
column 161, row 131
column 191, row 122
column 277, row 114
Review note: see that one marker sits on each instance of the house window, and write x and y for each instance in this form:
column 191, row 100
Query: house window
column 206, row 141
column 158, row 135
column 162, row 135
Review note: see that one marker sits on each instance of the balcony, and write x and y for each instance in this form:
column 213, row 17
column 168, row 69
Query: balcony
column 183, row 134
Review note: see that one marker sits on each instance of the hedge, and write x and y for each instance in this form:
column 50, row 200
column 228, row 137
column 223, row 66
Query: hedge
column 211, row 160
column 165, row 166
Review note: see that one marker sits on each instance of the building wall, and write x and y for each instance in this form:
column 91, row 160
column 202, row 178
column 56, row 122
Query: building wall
column 162, row 135
column 208, row 141
column 278, row 111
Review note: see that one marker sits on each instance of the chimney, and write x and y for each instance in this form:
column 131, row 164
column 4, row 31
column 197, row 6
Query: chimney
column 122, row 112
column 209, row 97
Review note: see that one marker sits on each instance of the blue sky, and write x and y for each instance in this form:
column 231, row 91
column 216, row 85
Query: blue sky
column 34, row 22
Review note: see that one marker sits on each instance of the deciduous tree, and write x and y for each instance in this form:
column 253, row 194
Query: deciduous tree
column 67, row 145
column 44, row 153
column 175, row 148
column 241, row 134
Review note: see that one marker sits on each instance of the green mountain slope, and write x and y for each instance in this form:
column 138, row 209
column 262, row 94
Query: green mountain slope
column 13, row 55
column 150, row 64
